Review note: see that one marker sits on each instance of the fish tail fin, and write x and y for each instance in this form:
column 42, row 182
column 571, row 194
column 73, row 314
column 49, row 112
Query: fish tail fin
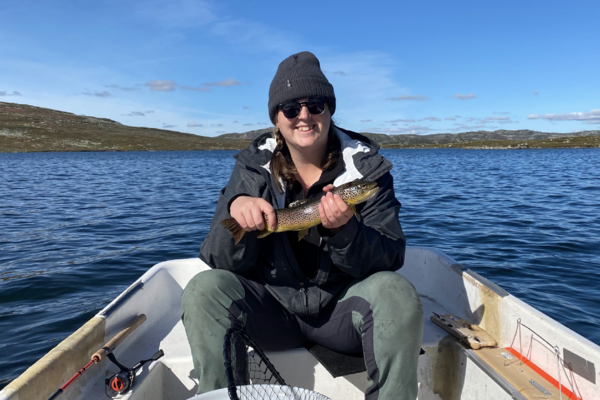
column 236, row 230
column 264, row 233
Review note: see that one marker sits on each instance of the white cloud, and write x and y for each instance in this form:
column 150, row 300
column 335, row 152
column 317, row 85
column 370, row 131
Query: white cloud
column 432, row 119
column 124, row 88
column 193, row 125
column 339, row 73
column 418, row 97
column 14, row 93
column 370, row 78
column 469, row 96
column 251, row 36
column 589, row 117
column 501, row 120
column 412, row 130
column 462, row 127
column 169, row 126
column 103, row 93
column 229, row 82
column 402, row 120
column 449, row 119
column 195, row 88
column 365, row 120
column 135, row 114
column 257, row 123
column 500, row 113
column 159, row 85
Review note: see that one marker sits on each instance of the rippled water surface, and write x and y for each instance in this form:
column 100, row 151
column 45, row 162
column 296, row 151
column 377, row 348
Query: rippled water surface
column 77, row 228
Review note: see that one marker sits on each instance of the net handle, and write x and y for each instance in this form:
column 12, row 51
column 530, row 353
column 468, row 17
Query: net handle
column 231, row 389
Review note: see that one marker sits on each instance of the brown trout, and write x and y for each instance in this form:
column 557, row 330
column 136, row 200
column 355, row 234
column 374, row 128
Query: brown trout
column 304, row 214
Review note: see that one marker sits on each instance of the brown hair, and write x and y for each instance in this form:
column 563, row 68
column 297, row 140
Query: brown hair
column 282, row 165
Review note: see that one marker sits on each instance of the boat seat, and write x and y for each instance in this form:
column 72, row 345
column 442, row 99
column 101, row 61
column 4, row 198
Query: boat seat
column 339, row 364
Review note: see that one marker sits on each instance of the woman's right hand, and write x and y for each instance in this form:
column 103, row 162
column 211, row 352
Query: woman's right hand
column 248, row 212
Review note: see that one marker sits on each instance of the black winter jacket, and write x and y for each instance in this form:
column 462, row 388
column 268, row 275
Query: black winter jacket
column 376, row 243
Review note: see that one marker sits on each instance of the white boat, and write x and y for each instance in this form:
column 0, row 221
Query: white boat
column 536, row 357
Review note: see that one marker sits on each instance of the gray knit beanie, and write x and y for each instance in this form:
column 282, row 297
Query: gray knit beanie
column 299, row 76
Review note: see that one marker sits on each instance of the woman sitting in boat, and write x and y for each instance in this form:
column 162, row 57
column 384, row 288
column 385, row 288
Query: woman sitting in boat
column 337, row 286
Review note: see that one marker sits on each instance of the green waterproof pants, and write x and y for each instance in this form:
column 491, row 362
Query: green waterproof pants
column 380, row 315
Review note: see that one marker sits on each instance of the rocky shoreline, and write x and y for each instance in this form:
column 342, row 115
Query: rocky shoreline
column 563, row 142
column 479, row 140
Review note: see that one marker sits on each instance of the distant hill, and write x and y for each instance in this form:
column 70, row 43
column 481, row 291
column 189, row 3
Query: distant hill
column 25, row 128
column 250, row 135
column 445, row 139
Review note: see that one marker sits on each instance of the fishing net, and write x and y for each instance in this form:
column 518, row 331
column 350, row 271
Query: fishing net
column 251, row 376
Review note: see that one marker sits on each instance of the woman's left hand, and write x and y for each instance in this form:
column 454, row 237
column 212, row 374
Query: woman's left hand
column 334, row 211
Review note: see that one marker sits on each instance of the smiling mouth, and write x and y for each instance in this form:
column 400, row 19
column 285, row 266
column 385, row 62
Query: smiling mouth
column 304, row 128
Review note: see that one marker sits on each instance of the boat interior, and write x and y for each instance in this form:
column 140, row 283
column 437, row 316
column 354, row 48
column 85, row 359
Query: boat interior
column 535, row 357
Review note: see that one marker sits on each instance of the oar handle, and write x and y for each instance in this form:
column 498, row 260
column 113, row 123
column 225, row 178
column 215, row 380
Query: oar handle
column 119, row 337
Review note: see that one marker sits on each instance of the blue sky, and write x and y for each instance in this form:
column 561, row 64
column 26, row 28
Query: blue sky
column 204, row 67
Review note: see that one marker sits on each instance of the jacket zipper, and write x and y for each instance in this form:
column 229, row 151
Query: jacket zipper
column 303, row 291
column 319, row 277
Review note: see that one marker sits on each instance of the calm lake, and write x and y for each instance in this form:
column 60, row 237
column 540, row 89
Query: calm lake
column 76, row 229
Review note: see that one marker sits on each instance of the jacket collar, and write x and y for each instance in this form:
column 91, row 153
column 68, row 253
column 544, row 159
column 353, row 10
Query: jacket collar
column 359, row 153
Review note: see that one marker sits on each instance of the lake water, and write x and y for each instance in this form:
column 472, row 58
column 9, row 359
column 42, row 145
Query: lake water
column 76, row 229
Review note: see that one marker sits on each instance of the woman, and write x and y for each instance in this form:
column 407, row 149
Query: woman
column 336, row 287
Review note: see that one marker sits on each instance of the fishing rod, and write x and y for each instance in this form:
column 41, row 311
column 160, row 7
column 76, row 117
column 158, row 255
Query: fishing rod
column 105, row 351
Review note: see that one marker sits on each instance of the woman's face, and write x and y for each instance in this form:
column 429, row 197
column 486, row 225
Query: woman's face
column 306, row 131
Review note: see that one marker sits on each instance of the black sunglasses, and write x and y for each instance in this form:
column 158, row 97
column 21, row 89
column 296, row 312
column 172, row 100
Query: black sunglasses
column 292, row 109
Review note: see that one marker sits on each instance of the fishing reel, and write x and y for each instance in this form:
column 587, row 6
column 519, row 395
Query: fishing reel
column 122, row 381
column 119, row 383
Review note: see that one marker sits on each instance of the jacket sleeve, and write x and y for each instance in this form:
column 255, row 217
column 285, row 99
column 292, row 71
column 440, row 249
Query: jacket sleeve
column 218, row 249
column 377, row 242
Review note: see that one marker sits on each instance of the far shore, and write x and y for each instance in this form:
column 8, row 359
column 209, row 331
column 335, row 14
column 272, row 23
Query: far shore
column 29, row 129
column 562, row 143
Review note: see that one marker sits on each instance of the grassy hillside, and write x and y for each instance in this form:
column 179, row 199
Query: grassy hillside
column 500, row 139
column 26, row 128
column 565, row 142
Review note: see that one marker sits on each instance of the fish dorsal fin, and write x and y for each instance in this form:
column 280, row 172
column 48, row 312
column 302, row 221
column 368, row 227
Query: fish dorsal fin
column 297, row 203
